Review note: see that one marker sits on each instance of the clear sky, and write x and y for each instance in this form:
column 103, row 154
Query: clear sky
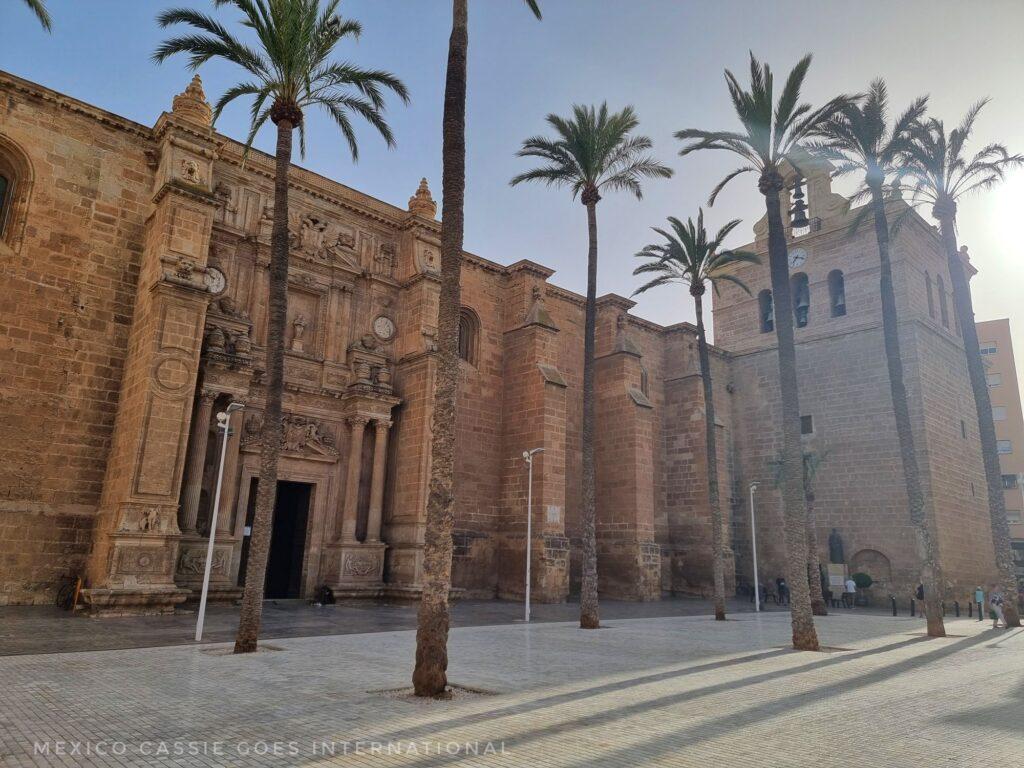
column 665, row 57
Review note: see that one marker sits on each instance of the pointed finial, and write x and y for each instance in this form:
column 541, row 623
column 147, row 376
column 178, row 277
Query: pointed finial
column 192, row 105
column 422, row 203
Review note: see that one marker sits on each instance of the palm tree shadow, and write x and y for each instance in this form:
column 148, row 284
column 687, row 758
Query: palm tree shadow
column 691, row 736
column 761, row 713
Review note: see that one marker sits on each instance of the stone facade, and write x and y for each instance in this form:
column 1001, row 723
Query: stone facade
column 133, row 304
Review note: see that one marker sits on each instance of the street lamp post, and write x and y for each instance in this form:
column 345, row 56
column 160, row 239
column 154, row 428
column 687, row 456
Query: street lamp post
column 753, row 547
column 528, row 458
column 224, row 424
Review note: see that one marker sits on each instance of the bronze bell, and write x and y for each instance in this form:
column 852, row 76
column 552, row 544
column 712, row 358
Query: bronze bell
column 798, row 213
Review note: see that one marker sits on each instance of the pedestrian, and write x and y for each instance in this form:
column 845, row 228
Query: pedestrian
column 850, row 595
column 995, row 600
column 919, row 594
column 783, row 590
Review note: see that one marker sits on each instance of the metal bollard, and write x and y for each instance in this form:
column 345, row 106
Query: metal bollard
column 912, row 605
column 943, row 609
column 970, row 610
column 956, row 608
column 892, row 598
column 979, row 611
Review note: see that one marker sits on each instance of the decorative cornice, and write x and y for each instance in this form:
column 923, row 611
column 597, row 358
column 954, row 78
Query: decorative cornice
column 59, row 100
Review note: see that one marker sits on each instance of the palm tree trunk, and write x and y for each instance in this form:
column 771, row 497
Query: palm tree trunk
column 266, row 494
column 589, row 616
column 931, row 572
column 986, row 426
column 805, row 638
column 429, row 677
column 711, row 450
column 818, row 607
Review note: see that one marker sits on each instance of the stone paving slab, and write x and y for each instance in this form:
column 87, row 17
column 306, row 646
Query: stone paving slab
column 673, row 691
column 46, row 629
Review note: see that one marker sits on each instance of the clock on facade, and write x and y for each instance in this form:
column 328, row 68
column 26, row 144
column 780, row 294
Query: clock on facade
column 215, row 280
column 384, row 327
column 797, row 257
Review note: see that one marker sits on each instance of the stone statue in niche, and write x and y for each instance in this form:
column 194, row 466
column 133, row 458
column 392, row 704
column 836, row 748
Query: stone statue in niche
column 299, row 325
column 265, row 226
column 835, row 548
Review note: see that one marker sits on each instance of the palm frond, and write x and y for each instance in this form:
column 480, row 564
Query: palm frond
column 290, row 66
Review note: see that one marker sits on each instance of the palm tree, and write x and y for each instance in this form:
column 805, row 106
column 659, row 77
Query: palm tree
column 430, row 674
column 687, row 256
column 38, row 7
column 593, row 151
column 941, row 173
column 291, row 72
column 860, row 139
column 812, row 463
column 771, row 133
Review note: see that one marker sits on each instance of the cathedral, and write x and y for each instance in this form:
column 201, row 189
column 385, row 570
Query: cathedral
column 133, row 308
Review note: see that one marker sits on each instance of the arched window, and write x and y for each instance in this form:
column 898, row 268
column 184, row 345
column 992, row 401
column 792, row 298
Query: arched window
column 5, row 185
column 15, row 186
column 837, row 292
column 469, row 332
column 931, row 298
column 766, row 312
column 943, row 307
column 801, row 298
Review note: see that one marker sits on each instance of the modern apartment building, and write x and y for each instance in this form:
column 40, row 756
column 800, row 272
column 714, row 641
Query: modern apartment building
column 1001, row 372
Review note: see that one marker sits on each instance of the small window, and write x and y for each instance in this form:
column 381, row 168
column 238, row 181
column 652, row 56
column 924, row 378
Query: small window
column 931, row 296
column 943, row 306
column 993, row 379
column 837, row 292
column 801, row 298
column 1004, row 446
column 1014, row 516
column 998, row 413
column 806, row 425
column 766, row 310
column 1009, row 482
column 468, row 336
column 989, row 348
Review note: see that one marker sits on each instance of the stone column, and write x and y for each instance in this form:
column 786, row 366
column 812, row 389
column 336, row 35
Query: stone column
column 355, row 454
column 228, row 490
column 196, row 461
column 380, row 457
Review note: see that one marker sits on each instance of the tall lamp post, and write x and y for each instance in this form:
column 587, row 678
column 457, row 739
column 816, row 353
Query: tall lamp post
column 528, row 458
column 753, row 547
column 223, row 424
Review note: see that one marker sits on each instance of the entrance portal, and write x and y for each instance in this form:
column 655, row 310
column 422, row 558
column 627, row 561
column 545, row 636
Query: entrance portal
column 287, row 539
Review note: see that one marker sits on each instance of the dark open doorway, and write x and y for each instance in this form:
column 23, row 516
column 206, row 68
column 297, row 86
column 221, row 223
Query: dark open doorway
column 287, row 539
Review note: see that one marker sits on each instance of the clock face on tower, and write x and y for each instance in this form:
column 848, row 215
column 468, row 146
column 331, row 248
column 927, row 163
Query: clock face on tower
column 384, row 327
column 215, row 280
column 797, row 257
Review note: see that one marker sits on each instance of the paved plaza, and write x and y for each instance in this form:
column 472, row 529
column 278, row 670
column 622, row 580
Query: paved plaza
column 673, row 691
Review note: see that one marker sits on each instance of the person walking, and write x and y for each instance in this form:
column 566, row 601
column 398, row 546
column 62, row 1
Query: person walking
column 995, row 600
column 850, row 593
column 783, row 591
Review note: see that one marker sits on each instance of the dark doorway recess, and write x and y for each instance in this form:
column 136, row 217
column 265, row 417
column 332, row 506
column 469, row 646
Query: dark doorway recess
column 287, row 539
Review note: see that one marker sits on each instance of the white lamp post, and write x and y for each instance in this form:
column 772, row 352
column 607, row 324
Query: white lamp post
column 528, row 458
column 223, row 423
column 753, row 547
